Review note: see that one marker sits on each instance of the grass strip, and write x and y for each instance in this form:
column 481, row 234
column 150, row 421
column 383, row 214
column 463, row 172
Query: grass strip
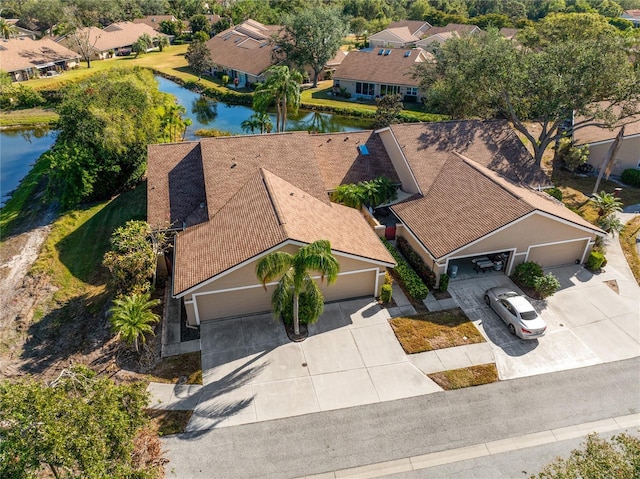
column 435, row 330
column 466, row 377
column 628, row 238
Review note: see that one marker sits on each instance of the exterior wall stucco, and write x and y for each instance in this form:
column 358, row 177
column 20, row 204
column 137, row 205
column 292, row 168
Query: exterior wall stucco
column 409, row 183
column 628, row 155
column 240, row 292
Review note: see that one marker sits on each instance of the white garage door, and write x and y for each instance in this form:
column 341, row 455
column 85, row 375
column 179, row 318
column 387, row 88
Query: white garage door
column 558, row 254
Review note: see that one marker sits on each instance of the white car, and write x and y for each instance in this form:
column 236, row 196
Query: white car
column 521, row 318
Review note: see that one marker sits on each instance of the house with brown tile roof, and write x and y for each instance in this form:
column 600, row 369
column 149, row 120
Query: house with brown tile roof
column 600, row 138
column 633, row 16
column 244, row 51
column 436, row 36
column 117, row 38
column 416, row 27
column 24, row 58
column 382, row 71
column 469, row 191
column 398, row 37
column 154, row 21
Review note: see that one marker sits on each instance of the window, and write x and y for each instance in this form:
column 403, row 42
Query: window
column 412, row 91
column 389, row 89
column 367, row 89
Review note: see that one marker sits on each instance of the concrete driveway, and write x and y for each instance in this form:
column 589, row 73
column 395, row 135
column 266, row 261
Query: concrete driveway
column 588, row 322
column 252, row 372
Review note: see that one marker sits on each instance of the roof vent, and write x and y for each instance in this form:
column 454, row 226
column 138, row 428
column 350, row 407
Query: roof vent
column 233, row 165
column 345, row 138
column 363, row 149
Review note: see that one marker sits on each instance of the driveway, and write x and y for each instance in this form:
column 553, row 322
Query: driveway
column 588, row 321
column 252, row 372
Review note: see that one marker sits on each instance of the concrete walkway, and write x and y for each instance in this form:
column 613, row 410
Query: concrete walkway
column 252, row 372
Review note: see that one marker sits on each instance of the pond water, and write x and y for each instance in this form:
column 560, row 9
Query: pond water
column 206, row 113
column 19, row 149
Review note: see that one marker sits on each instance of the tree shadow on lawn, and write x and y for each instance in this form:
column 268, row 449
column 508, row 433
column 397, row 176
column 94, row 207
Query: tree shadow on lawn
column 82, row 250
column 65, row 332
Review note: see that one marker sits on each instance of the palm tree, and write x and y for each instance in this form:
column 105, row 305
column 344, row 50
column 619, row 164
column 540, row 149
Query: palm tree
column 250, row 125
column 283, row 87
column 161, row 41
column 264, row 120
column 7, row 30
column 295, row 279
column 606, row 204
column 131, row 317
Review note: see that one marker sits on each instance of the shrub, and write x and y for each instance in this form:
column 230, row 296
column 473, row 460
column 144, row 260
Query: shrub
column 385, row 293
column 526, row 273
column 416, row 262
column 572, row 156
column 631, row 177
column 555, row 192
column 546, row 285
column 412, row 282
column 444, row 282
column 595, row 261
column 388, row 279
column 306, row 310
column 225, row 79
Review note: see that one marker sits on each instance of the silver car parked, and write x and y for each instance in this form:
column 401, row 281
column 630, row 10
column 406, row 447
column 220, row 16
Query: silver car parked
column 517, row 312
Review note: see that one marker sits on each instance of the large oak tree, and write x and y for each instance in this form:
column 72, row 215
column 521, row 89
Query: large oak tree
column 537, row 87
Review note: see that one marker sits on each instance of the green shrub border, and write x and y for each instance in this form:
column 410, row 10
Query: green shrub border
column 411, row 281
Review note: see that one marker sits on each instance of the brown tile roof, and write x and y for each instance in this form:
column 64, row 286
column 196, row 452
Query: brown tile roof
column 402, row 33
column 263, row 213
column 341, row 162
column 414, row 26
column 593, row 134
column 175, row 185
column 154, row 21
column 490, row 143
column 509, row 32
column 116, row 35
column 635, row 13
column 246, row 47
column 459, row 206
column 467, row 201
column 393, row 69
column 24, row 53
column 231, row 161
column 453, row 27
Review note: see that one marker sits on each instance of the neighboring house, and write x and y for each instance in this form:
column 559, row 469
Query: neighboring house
column 115, row 39
column 436, row 36
column 24, row 58
column 633, row 16
column 416, row 27
column 21, row 32
column 399, row 37
column 599, row 139
column 154, row 21
column 509, row 33
column 460, row 28
column 244, row 51
column 382, row 71
column 466, row 194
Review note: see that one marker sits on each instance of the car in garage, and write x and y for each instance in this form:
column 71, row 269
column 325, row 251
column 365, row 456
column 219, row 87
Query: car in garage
column 517, row 312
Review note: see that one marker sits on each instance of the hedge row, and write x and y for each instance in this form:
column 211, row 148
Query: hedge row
column 412, row 282
column 416, row 262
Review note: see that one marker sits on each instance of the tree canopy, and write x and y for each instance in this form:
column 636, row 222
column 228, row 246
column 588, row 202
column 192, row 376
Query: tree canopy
column 283, row 88
column 79, row 425
column 313, row 37
column 536, row 88
column 199, row 57
column 109, row 119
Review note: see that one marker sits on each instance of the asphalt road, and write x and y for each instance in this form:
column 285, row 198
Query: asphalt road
column 334, row 440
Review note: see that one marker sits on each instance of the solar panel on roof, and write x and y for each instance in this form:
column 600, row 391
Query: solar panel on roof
column 363, row 149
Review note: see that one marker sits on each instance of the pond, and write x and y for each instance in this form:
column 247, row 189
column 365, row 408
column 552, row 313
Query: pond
column 19, row 149
column 208, row 114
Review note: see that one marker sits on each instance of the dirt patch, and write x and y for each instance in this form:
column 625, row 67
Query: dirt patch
column 613, row 284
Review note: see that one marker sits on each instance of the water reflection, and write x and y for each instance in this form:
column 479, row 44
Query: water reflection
column 205, row 109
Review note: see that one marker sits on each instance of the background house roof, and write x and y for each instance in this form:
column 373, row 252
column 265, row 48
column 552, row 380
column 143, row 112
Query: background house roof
column 154, row 21
column 416, row 27
column 593, row 134
column 393, row 69
column 453, row 27
column 246, row 47
column 401, row 33
column 24, row 53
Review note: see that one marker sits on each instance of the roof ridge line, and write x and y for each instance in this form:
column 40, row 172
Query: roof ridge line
column 274, row 201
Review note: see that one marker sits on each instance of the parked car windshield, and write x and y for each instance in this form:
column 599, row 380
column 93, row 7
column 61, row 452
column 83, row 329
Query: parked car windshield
column 528, row 315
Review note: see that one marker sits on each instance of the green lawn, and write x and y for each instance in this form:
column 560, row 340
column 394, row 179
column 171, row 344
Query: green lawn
column 72, row 254
column 28, row 118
